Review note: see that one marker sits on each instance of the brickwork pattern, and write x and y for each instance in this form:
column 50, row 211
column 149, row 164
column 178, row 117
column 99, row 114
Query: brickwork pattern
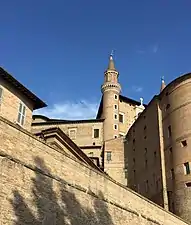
column 40, row 185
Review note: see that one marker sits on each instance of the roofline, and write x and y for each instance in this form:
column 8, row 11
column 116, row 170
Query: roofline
column 79, row 153
column 175, row 81
column 142, row 114
column 121, row 97
column 38, row 103
column 59, row 121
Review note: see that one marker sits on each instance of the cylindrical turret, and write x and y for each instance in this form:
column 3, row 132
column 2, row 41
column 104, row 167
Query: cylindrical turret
column 176, row 112
column 111, row 90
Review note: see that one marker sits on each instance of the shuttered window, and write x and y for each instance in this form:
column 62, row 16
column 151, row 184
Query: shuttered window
column 21, row 114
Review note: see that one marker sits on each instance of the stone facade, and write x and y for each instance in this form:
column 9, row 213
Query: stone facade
column 40, row 185
column 163, row 129
column 115, row 116
column 153, row 158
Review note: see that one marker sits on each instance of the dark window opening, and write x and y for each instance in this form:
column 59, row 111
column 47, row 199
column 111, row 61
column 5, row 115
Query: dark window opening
column 188, row 184
column 121, row 118
column 184, row 143
column 187, row 168
column 96, row 133
column 172, row 174
column 169, row 131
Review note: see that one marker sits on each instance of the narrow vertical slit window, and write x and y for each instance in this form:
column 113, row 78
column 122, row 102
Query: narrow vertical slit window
column 187, row 168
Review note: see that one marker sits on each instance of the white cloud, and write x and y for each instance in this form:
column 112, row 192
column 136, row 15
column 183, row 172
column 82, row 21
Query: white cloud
column 70, row 110
column 152, row 48
column 155, row 48
column 137, row 89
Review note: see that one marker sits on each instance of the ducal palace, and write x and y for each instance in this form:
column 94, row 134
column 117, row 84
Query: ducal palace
column 145, row 147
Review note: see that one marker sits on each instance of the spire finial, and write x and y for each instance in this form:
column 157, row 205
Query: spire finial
column 163, row 85
column 111, row 62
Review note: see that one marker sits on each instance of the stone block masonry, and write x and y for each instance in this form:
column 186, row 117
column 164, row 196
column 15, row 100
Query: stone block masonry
column 39, row 185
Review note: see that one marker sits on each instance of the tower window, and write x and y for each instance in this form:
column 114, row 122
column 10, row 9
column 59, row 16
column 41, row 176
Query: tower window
column 155, row 155
column 184, row 143
column 21, row 114
column 115, row 116
column 121, row 118
column 115, row 96
column 167, row 107
column 172, row 174
column 187, row 168
column 188, row 184
column 115, row 126
column 146, row 164
column 115, row 106
column 96, row 133
column 115, row 136
column 146, row 186
column 108, row 156
column 169, row 131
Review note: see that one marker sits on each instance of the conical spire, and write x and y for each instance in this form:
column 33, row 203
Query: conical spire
column 163, row 85
column 111, row 65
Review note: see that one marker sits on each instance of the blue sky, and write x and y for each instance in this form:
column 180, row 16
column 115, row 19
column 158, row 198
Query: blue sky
column 59, row 49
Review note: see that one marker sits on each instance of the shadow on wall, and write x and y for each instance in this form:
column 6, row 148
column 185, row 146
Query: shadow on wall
column 51, row 208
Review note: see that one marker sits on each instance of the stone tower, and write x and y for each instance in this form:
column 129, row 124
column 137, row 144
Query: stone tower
column 111, row 90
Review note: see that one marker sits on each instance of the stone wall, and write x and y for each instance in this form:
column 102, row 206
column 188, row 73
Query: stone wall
column 40, row 185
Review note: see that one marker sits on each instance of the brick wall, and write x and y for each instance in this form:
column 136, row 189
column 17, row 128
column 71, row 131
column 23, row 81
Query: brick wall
column 40, row 185
column 9, row 106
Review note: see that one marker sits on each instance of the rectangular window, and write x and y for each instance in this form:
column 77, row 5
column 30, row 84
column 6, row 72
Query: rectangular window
column 172, row 174
column 146, row 164
column 184, row 143
column 187, row 168
column 188, row 184
column 96, row 133
column 72, row 133
column 1, row 94
column 108, row 156
column 121, row 118
column 134, row 161
column 169, row 132
column 21, row 114
column 155, row 156
column 147, row 186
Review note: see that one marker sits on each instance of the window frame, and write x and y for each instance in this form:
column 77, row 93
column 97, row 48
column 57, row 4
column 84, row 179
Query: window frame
column 21, row 117
column 108, row 156
column 72, row 129
column 121, row 114
column 94, row 130
column 187, row 170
